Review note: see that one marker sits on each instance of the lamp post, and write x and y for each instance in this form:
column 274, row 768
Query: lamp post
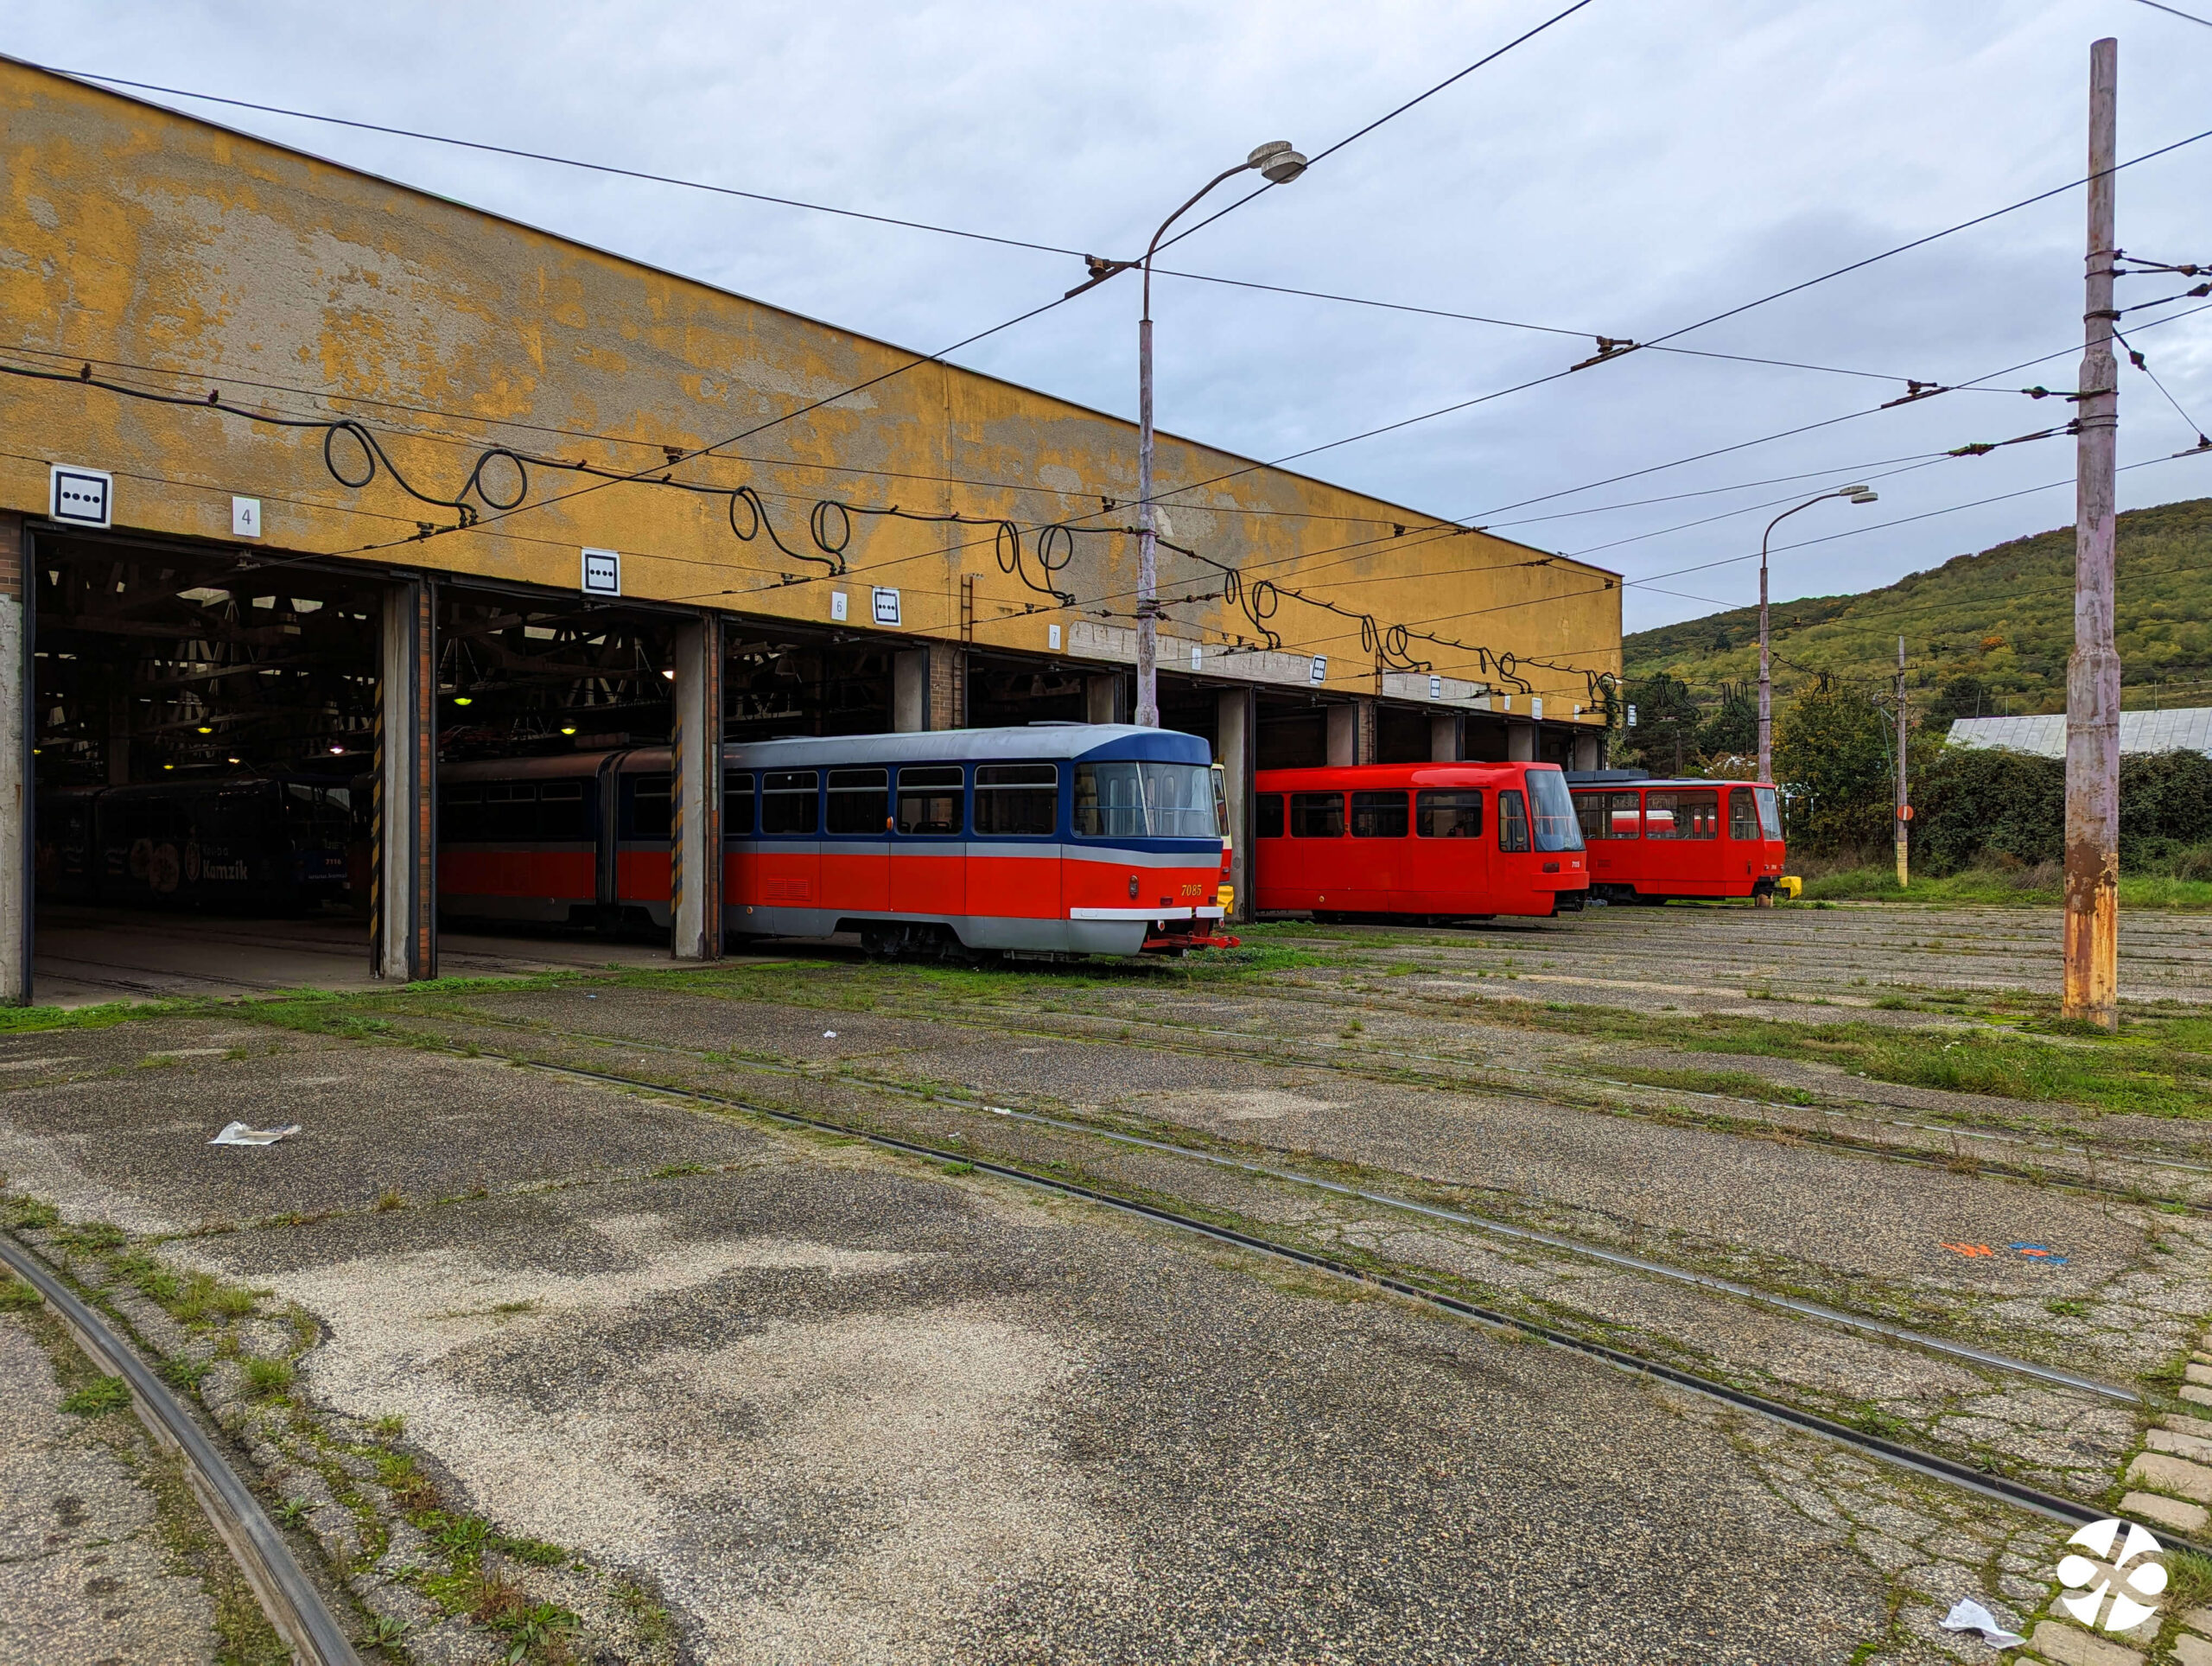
column 1279, row 165
column 1856, row 494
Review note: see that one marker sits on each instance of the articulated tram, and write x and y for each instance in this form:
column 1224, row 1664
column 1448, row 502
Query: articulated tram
column 1062, row 838
column 1437, row 841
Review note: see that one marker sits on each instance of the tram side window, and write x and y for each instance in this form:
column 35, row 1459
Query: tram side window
column 1378, row 815
column 1608, row 815
column 1110, row 801
column 1017, row 800
column 1769, row 812
column 510, row 811
column 929, row 799
column 859, row 801
column 561, row 811
column 1682, row 815
column 1512, row 821
column 460, row 815
column 1270, row 816
column 1316, row 815
column 1743, row 814
column 1446, row 815
column 648, row 808
column 788, row 802
column 737, row 804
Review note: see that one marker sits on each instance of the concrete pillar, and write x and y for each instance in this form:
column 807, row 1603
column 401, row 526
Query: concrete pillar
column 119, row 734
column 18, row 692
column 910, row 690
column 404, row 904
column 1445, row 730
column 695, row 792
column 1586, row 750
column 1344, row 735
column 1520, row 743
column 1236, row 725
column 1101, row 699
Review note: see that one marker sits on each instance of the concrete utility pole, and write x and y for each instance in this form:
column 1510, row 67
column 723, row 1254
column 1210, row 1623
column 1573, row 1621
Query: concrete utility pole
column 1905, row 802
column 1279, row 165
column 2093, row 668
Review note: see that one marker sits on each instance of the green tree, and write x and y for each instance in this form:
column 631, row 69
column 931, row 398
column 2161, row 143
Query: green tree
column 1734, row 725
column 1667, row 718
column 1831, row 754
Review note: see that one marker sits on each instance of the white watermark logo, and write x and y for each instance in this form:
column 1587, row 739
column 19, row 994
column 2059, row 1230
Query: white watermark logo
column 2131, row 1579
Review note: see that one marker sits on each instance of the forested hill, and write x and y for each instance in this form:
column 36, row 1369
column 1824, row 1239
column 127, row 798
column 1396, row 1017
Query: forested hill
column 1989, row 632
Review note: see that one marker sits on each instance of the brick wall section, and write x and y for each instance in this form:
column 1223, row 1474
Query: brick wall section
column 948, row 688
column 11, row 553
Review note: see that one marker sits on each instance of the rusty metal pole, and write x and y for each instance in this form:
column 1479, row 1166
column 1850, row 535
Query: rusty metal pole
column 1904, row 802
column 2093, row 668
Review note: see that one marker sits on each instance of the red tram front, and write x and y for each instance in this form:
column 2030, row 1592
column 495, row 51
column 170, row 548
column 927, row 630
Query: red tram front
column 1651, row 840
column 1465, row 840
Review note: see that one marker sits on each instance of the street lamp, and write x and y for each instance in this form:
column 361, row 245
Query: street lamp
column 1279, row 165
column 1855, row 494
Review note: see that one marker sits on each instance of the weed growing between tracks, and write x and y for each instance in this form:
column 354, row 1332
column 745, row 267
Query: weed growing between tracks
column 396, row 1540
column 244, row 1636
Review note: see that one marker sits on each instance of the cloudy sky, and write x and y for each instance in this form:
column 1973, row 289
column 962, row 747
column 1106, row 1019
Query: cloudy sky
column 1640, row 167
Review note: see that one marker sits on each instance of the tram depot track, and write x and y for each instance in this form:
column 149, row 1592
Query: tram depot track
column 1459, row 1076
column 286, row 1596
column 1505, row 1229
column 1889, row 1452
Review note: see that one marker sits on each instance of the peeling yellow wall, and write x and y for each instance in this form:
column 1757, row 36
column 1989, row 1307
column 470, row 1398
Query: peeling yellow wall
column 180, row 258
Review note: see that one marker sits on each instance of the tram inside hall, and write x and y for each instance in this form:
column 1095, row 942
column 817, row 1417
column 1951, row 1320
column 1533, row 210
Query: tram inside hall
column 201, row 729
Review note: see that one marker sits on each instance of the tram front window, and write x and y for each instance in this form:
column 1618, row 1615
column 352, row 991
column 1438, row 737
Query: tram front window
column 1552, row 810
column 1144, row 800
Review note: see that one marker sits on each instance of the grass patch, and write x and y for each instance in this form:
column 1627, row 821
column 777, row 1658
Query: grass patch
column 267, row 1378
column 390, row 1199
column 1979, row 887
column 18, row 1297
column 1734, row 1083
column 27, row 1214
column 98, row 1397
column 2159, row 1065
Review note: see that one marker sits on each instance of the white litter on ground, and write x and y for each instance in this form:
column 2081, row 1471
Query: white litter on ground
column 828, row 1035
column 239, row 1134
column 1968, row 1615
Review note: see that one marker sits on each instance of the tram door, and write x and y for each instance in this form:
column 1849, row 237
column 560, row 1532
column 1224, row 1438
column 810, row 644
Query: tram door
column 856, row 841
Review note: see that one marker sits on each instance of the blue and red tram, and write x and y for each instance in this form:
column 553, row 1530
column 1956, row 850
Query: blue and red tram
column 1465, row 840
column 1052, row 838
column 1653, row 840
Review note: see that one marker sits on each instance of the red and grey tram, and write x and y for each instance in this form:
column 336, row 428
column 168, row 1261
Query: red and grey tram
column 1652, row 840
column 1054, row 838
column 1465, row 840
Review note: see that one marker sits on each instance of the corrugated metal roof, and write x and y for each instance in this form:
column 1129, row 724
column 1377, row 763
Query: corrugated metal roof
column 2187, row 728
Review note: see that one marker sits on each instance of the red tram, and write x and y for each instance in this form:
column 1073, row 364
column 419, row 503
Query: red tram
column 1465, row 840
column 1651, row 840
column 1054, row 838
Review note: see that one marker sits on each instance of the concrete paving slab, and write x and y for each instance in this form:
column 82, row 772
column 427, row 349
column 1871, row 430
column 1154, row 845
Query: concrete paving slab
column 846, row 1412
column 128, row 1142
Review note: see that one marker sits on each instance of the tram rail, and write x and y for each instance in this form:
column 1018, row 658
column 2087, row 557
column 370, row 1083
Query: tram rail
column 287, row 1597
column 1896, row 1453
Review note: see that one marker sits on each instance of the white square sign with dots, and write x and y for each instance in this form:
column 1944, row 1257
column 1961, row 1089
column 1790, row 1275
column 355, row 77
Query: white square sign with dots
column 887, row 606
column 602, row 573
column 82, row 496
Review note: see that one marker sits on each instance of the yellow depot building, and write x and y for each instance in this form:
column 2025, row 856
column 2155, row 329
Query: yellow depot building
column 309, row 476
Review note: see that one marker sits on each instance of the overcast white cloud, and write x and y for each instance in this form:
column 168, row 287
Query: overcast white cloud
column 1638, row 168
